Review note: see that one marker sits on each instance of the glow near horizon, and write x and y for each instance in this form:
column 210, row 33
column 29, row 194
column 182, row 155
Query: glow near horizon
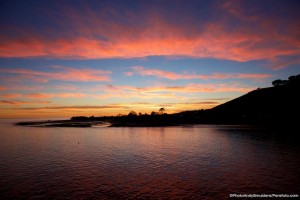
column 111, row 57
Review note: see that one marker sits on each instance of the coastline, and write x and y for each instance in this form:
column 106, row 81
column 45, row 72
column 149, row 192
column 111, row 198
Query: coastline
column 62, row 123
column 87, row 124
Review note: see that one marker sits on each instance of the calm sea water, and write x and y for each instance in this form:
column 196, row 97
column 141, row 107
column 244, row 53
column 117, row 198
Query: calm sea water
column 196, row 162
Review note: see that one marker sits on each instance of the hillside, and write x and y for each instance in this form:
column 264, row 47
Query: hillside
column 268, row 105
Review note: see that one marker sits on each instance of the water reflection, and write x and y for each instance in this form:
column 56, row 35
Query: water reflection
column 128, row 163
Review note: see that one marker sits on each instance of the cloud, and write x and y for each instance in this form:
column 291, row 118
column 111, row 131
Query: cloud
column 220, row 45
column 125, row 107
column 282, row 62
column 128, row 73
column 70, row 95
column 18, row 102
column 24, row 87
column 189, row 105
column 217, row 99
column 150, row 92
column 39, row 95
column 206, row 102
column 175, row 76
column 135, row 95
column 17, row 79
column 241, row 32
column 52, row 95
column 44, row 95
column 165, row 92
column 10, row 95
column 65, row 87
column 113, row 106
column 237, row 10
column 189, row 88
column 63, row 74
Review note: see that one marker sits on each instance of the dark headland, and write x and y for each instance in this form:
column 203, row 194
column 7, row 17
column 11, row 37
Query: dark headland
column 272, row 106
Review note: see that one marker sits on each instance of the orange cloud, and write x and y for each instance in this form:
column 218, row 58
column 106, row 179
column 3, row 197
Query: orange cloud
column 65, row 87
column 174, row 76
column 106, row 109
column 123, row 108
column 65, row 74
column 39, row 95
column 43, row 95
column 75, row 107
column 165, row 92
column 17, row 102
column 136, row 95
column 10, row 95
column 189, row 88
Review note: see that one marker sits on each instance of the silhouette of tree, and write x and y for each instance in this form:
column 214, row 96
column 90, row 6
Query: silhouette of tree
column 132, row 113
column 153, row 113
column 294, row 80
column 279, row 82
column 161, row 111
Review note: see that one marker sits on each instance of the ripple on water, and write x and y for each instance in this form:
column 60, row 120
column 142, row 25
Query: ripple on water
column 203, row 162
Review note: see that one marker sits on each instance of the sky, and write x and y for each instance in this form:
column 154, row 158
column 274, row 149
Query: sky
column 84, row 58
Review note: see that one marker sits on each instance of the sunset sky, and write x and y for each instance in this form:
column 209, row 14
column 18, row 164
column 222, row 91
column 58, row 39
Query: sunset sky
column 70, row 58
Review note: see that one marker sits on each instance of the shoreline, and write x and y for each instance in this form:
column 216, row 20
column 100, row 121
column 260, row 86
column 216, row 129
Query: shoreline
column 62, row 123
column 91, row 123
column 87, row 124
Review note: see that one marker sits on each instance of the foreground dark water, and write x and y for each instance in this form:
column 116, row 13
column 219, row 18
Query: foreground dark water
column 198, row 162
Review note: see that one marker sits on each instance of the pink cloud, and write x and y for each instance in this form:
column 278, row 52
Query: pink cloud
column 280, row 63
column 128, row 73
column 25, row 87
column 64, row 74
column 52, row 95
column 160, row 37
column 235, row 8
column 70, row 95
column 174, row 76
column 24, row 77
column 10, row 95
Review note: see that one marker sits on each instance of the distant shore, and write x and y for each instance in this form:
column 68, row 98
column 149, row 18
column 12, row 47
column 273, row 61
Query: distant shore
column 63, row 123
column 96, row 123
column 86, row 124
